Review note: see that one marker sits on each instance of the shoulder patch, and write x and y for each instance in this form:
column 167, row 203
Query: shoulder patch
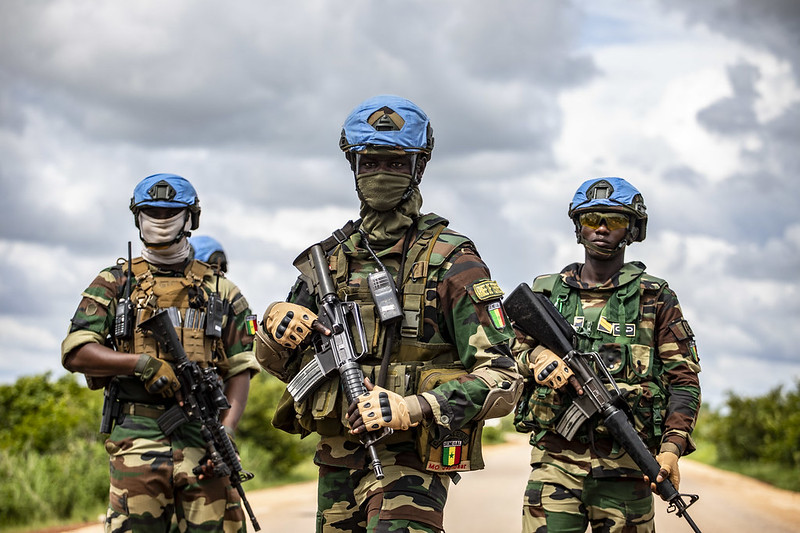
column 487, row 290
column 681, row 329
column 239, row 305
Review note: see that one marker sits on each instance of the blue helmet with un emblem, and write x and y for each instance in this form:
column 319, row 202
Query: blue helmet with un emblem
column 166, row 190
column 611, row 195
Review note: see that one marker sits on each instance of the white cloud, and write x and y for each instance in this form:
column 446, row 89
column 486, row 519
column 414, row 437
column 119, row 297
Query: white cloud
column 526, row 100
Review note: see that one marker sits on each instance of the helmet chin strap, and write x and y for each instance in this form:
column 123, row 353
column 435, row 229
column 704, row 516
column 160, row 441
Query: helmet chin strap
column 602, row 251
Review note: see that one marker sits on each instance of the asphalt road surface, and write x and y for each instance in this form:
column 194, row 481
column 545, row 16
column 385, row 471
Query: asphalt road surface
column 490, row 501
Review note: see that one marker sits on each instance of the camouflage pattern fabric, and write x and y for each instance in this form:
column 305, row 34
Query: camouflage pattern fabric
column 573, row 503
column 152, row 484
column 664, row 395
column 405, row 500
column 454, row 328
column 151, row 480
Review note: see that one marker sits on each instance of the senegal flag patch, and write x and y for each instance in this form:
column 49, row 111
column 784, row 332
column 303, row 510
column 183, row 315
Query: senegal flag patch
column 451, row 452
column 495, row 311
column 251, row 324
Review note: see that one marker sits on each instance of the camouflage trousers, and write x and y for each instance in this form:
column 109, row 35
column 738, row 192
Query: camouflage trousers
column 407, row 500
column 152, row 485
column 571, row 503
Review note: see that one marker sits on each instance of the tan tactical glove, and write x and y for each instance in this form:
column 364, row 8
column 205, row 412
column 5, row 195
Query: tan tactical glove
column 383, row 408
column 669, row 469
column 549, row 369
column 157, row 375
column 289, row 324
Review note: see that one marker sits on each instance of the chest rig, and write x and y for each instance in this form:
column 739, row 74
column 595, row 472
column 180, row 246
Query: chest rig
column 417, row 345
column 623, row 333
column 185, row 298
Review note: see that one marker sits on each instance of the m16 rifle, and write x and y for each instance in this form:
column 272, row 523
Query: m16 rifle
column 202, row 400
column 335, row 350
column 535, row 315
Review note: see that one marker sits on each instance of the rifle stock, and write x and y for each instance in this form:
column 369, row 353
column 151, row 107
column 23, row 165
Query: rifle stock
column 535, row 315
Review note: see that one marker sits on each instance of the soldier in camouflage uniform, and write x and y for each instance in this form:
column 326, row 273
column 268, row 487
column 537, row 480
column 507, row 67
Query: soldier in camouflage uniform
column 153, row 487
column 633, row 320
column 438, row 373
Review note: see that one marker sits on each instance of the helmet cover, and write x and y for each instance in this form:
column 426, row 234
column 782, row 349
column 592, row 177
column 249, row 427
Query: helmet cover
column 204, row 246
column 387, row 122
column 166, row 190
column 611, row 194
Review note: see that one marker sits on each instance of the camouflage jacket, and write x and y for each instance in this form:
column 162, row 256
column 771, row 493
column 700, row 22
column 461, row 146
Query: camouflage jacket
column 635, row 322
column 458, row 329
column 94, row 319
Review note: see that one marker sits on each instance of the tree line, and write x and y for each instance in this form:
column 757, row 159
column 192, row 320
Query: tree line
column 54, row 468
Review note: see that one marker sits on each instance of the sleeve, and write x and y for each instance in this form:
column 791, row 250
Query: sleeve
column 238, row 341
column 271, row 356
column 677, row 352
column 94, row 318
column 472, row 316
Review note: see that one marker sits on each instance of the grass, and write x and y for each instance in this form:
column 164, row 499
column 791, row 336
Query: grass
column 777, row 475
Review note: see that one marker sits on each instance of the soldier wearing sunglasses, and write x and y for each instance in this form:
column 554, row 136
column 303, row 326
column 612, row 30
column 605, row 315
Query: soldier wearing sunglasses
column 633, row 320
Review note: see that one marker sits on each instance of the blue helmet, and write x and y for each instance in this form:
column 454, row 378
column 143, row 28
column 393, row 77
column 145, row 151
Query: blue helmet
column 387, row 122
column 165, row 190
column 209, row 250
column 611, row 194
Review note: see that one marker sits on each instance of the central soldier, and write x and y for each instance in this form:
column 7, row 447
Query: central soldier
column 436, row 340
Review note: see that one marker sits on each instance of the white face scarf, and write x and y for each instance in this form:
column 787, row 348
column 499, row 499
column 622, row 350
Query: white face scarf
column 164, row 230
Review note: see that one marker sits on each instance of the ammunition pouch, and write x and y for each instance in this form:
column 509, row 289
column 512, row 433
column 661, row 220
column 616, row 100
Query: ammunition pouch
column 325, row 412
column 456, row 451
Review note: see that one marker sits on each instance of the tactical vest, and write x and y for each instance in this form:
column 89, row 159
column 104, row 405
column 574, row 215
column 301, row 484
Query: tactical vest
column 622, row 332
column 186, row 296
column 417, row 364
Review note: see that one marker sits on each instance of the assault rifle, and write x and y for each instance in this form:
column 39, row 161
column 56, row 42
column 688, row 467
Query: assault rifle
column 535, row 315
column 335, row 350
column 203, row 399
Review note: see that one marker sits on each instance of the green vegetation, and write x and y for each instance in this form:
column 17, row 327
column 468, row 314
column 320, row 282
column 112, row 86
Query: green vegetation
column 54, row 469
column 757, row 437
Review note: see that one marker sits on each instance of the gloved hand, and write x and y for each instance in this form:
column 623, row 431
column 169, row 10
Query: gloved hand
column 289, row 324
column 549, row 369
column 157, row 375
column 668, row 461
column 378, row 408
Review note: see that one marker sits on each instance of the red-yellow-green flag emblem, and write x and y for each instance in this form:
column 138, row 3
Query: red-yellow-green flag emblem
column 251, row 324
column 451, row 452
column 495, row 311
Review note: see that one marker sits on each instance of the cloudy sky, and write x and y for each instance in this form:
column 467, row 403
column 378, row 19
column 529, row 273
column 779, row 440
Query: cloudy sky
column 696, row 103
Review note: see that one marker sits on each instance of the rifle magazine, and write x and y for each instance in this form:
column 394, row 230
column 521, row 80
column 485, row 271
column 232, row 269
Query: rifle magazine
column 306, row 381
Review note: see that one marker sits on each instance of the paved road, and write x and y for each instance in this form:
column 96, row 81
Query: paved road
column 490, row 501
